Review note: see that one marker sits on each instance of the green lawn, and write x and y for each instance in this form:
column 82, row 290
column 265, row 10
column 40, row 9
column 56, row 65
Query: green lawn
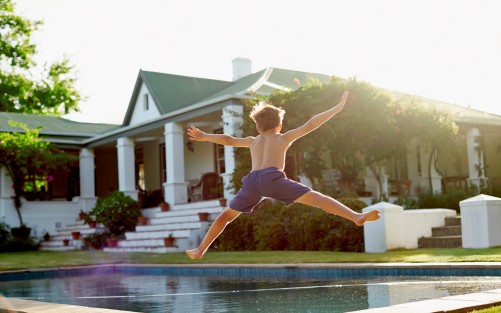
column 44, row 259
column 496, row 309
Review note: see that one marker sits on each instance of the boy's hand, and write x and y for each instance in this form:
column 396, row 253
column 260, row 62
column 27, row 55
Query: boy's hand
column 343, row 100
column 195, row 134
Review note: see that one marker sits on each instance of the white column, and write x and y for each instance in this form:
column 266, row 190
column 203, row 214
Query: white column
column 475, row 158
column 87, row 179
column 126, row 167
column 372, row 185
column 175, row 188
column 436, row 178
column 480, row 220
column 6, row 192
column 232, row 125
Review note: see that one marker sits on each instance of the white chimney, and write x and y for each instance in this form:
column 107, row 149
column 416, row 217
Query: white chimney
column 241, row 68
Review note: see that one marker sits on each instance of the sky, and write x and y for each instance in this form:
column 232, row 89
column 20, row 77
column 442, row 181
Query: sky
column 448, row 50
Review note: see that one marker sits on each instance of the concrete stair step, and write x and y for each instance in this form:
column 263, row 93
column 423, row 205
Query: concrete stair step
column 440, row 242
column 192, row 213
column 157, row 234
column 144, row 249
column 446, row 231
column 195, row 205
column 453, row 221
column 60, row 248
column 148, row 243
column 83, row 232
column 58, row 245
column 168, row 227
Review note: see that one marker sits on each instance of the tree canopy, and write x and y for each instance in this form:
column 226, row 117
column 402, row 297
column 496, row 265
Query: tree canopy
column 52, row 92
column 27, row 157
column 372, row 129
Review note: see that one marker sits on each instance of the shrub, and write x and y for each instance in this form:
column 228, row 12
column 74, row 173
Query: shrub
column 447, row 200
column 5, row 236
column 117, row 212
column 273, row 226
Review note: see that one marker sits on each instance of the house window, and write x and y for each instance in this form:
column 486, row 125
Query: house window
column 146, row 102
column 219, row 149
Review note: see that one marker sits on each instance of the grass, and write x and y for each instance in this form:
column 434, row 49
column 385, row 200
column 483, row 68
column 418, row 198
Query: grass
column 46, row 259
column 495, row 309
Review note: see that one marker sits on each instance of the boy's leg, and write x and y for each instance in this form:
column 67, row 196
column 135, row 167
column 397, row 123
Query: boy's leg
column 332, row 206
column 217, row 227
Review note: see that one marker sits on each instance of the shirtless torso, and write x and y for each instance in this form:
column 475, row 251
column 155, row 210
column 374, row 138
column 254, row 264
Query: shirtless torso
column 268, row 150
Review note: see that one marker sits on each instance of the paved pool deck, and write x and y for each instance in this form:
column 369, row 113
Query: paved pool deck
column 458, row 303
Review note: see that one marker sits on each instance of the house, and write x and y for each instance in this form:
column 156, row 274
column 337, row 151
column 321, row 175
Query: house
column 150, row 151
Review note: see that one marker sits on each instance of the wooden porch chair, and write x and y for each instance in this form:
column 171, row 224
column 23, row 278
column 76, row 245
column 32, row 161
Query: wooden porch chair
column 207, row 188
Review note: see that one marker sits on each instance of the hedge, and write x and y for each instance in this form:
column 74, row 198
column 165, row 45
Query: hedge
column 273, row 226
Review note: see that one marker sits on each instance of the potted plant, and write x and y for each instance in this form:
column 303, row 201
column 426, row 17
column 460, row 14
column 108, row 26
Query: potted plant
column 143, row 220
column 203, row 216
column 118, row 213
column 22, row 232
column 169, row 241
column 164, row 206
column 222, row 201
column 75, row 235
column 82, row 215
column 112, row 242
column 46, row 236
column 66, row 242
column 90, row 220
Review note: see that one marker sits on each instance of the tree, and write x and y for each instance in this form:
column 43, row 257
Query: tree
column 52, row 93
column 372, row 129
column 27, row 157
column 433, row 126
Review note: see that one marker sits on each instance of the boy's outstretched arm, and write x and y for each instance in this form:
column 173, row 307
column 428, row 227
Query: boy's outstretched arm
column 222, row 139
column 316, row 121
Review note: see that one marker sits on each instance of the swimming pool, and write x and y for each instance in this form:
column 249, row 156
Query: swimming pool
column 152, row 289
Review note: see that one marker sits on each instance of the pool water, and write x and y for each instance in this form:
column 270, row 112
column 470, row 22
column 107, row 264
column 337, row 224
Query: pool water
column 166, row 293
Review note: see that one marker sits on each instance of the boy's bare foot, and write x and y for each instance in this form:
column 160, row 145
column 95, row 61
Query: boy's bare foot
column 194, row 254
column 367, row 217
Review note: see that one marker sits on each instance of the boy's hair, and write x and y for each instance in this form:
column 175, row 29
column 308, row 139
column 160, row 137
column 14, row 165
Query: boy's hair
column 266, row 116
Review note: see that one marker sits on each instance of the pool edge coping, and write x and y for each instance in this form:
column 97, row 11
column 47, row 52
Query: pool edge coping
column 444, row 265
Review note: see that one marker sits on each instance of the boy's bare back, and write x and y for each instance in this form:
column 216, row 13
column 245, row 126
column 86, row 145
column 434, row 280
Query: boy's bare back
column 268, row 150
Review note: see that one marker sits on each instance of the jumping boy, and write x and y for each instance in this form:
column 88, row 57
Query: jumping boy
column 267, row 178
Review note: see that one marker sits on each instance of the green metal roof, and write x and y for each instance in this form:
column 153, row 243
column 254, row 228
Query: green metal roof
column 173, row 92
column 53, row 125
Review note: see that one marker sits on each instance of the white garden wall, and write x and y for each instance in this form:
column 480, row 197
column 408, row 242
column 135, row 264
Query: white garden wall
column 399, row 228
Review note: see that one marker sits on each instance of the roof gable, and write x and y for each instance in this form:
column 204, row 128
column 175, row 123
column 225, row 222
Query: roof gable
column 172, row 92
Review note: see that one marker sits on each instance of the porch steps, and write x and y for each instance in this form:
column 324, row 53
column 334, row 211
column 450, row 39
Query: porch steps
column 56, row 241
column 181, row 222
column 448, row 236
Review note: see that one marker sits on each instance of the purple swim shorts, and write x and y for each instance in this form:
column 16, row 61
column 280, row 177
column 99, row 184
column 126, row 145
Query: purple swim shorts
column 268, row 182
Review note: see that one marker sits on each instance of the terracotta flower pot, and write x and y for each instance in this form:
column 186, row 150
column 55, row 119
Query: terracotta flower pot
column 143, row 220
column 169, row 241
column 222, row 201
column 92, row 224
column 203, row 216
column 75, row 235
column 66, row 242
column 82, row 215
column 111, row 243
column 164, row 206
